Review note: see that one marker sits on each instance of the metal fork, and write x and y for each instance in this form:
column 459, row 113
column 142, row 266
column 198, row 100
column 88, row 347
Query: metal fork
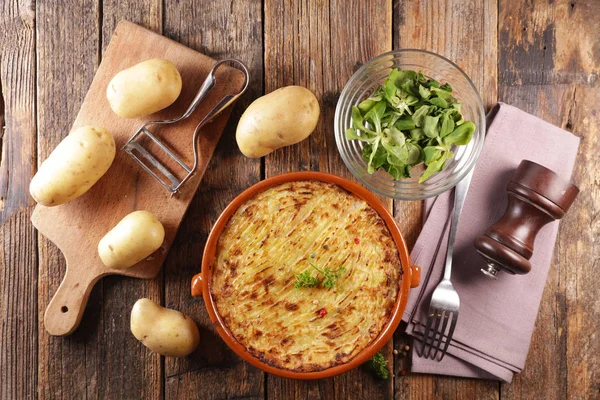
column 445, row 302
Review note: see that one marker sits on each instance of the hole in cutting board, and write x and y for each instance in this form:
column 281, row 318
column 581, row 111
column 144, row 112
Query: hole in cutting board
column 64, row 309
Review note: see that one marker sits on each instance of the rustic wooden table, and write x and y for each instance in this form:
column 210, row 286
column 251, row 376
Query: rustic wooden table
column 542, row 56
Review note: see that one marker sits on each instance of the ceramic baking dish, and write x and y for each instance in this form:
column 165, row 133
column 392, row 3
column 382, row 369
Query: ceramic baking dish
column 409, row 279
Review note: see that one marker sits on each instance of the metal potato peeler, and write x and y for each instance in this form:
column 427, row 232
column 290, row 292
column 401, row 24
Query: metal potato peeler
column 146, row 160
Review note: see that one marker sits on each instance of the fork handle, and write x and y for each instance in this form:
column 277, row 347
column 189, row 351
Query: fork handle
column 460, row 194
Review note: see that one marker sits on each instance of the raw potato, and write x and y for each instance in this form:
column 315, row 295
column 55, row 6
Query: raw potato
column 167, row 332
column 283, row 117
column 74, row 166
column 144, row 89
column 134, row 238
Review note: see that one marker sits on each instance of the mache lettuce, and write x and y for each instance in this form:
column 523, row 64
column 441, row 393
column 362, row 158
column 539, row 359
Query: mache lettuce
column 409, row 120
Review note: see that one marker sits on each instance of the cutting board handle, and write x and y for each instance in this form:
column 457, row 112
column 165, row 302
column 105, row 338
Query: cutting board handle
column 66, row 308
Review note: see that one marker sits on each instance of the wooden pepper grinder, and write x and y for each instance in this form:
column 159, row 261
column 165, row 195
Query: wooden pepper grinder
column 536, row 196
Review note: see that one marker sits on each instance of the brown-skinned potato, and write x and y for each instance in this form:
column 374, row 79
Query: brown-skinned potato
column 135, row 237
column 144, row 89
column 165, row 331
column 74, row 166
column 281, row 118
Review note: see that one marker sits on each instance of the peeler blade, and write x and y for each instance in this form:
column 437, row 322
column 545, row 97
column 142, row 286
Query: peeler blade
column 134, row 148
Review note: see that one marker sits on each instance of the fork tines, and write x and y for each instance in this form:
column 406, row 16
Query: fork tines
column 436, row 338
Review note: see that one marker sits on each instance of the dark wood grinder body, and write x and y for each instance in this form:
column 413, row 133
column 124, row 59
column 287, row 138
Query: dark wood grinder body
column 536, row 196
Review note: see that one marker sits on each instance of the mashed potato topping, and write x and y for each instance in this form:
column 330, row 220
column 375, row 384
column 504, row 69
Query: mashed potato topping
column 275, row 236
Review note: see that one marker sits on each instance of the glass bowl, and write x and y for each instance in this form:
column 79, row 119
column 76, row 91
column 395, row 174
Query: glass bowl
column 364, row 82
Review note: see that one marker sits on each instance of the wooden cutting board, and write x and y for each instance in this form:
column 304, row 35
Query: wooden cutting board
column 77, row 227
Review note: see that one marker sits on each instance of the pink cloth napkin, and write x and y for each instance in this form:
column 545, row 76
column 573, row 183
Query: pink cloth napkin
column 497, row 317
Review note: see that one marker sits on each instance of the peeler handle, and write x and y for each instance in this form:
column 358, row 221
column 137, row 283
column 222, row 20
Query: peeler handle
column 228, row 99
column 225, row 102
column 208, row 84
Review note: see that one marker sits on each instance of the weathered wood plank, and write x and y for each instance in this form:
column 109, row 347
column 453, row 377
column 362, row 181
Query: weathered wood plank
column 548, row 42
column 18, row 255
column 147, row 13
column 17, row 69
column 578, row 251
column 549, row 57
column 101, row 359
column 225, row 30
column 464, row 32
column 318, row 45
column 67, row 59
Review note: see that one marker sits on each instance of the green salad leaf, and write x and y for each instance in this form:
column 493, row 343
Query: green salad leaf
column 409, row 120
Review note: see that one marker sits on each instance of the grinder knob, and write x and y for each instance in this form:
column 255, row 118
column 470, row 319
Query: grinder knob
column 536, row 196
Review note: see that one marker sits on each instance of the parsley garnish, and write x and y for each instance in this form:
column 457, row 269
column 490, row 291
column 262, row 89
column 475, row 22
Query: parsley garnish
column 305, row 280
column 331, row 276
column 379, row 366
column 328, row 279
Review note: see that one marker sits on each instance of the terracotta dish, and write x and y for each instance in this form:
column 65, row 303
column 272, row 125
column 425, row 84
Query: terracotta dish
column 202, row 283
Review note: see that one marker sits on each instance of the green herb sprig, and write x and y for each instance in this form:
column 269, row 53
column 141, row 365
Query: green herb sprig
column 378, row 364
column 409, row 120
column 306, row 280
column 326, row 277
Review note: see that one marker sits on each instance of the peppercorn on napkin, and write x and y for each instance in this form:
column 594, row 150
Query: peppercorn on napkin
column 497, row 317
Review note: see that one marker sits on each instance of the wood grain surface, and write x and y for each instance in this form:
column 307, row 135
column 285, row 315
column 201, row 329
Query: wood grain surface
column 542, row 56
column 18, row 241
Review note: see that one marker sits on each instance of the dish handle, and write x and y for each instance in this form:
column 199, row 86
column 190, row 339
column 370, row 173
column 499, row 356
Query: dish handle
column 415, row 276
column 197, row 285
